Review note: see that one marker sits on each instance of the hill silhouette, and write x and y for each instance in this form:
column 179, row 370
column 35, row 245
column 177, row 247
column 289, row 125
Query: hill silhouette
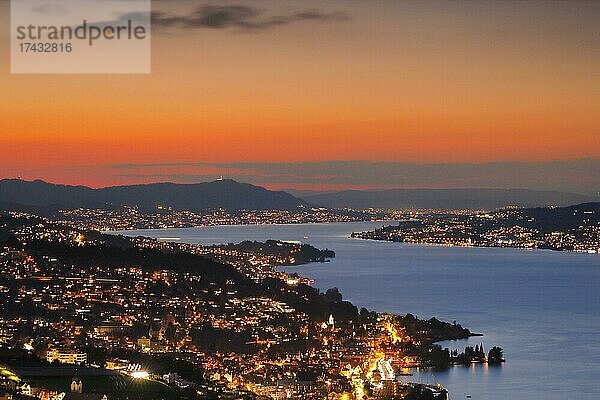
column 227, row 194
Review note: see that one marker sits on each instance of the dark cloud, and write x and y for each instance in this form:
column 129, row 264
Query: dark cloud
column 49, row 9
column 580, row 176
column 239, row 17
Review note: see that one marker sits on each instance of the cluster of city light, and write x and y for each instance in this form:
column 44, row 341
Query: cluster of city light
column 140, row 374
column 395, row 335
column 366, row 353
column 8, row 374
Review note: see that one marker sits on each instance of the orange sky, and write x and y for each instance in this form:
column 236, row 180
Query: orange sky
column 395, row 81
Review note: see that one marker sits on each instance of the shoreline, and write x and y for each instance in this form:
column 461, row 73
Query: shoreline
column 428, row 244
column 111, row 232
column 127, row 233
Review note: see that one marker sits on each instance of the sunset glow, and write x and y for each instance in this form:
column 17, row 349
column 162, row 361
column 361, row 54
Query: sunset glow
column 429, row 83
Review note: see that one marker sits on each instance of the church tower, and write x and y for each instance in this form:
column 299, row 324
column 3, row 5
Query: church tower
column 76, row 385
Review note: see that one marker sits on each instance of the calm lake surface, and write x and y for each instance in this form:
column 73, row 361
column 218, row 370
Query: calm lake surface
column 542, row 307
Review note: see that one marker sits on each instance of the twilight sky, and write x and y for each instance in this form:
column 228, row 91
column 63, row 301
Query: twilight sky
column 326, row 94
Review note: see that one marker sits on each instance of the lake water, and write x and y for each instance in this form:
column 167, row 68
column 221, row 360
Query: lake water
column 542, row 307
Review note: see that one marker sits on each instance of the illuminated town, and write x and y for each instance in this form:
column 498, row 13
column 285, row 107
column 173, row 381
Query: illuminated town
column 575, row 228
column 512, row 227
column 163, row 217
column 85, row 312
column 114, row 317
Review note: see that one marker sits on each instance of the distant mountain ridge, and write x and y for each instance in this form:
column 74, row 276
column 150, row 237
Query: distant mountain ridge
column 40, row 197
column 227, row 194
column 445, row 198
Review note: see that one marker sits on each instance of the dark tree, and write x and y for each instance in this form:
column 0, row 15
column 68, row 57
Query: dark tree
column 333, row 294
column 438, row 357
column 496, row 355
